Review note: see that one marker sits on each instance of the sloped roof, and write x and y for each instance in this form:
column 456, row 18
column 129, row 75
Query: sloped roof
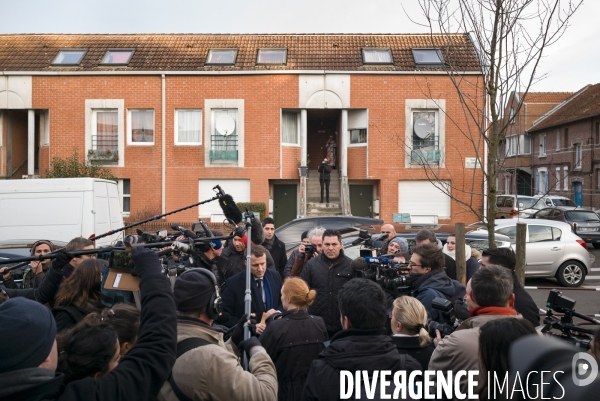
column 584, row 104
column 187, row 52
column 545, row 97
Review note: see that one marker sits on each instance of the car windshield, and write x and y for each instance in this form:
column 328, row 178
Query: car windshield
column 531, row 203
column 582, row 215
column 564, row 202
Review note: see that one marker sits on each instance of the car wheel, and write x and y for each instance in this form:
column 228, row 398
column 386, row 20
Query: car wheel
column 596, row 246
column 571, row 274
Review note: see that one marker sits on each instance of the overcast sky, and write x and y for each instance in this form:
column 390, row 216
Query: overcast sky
column 571, row 63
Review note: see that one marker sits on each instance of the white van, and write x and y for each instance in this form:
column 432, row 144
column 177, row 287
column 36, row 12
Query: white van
column 59, row 209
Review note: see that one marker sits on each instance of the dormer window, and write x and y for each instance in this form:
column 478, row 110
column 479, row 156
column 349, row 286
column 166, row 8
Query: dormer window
column 221, row 56
column 117, row 57
column 69, row 57
column 377, row 56
column 428, row 57
column 271, row 56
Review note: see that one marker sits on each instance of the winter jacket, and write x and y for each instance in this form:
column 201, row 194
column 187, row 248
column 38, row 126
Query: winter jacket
column 472, row 256
column 524, row 304
column 47, row 289
column 460, row 350
column 327, row 277
column 279, row 255
column 139, row 375
column 409, row 345
column 235, row 292
column 293, row 342
column 436, row 285
column 235, row 262
column 213, row 371
column 287, row 271
column 354, row 350
column 325, row 172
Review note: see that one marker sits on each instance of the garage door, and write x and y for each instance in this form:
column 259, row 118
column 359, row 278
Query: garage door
column 238, row 189
column 422, row 198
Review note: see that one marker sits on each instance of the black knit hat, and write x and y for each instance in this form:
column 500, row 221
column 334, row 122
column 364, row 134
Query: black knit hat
column 193, row 291
column 28, row 332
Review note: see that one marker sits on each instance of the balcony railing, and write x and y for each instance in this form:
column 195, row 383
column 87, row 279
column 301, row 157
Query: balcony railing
column 104, row 148
column 425, row 156
column 223, row 148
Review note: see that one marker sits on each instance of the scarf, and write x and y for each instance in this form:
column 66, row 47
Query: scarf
column 268, row 243
column 452, row 254
column 492, row 310
column 418, row 279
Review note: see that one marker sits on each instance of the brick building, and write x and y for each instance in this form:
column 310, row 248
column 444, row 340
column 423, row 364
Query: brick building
column 566, row 143
column 519, row 115
column 173, row 115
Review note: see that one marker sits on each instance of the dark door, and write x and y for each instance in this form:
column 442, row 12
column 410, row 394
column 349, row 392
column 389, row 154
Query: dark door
column 578, row 195
column 285, row 206
column 361, row 200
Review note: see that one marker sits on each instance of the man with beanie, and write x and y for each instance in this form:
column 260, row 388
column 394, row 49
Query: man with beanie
column 397, row 245
column 38, row 268
column 275, row 246
column 211, row 368
column 28, row 352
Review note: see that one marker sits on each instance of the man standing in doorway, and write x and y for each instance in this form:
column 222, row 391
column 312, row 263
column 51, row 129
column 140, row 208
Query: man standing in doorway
column 325, row 177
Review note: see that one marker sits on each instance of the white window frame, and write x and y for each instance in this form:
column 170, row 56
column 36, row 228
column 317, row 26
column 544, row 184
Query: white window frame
column 122, row 195
column 542, row 146
column 565, row 178
column 130, row 128
column 558, row 139
column 291, row 144
column 543, row 182
column 209, row 105
column 416, row 105
column 176, row 128
column 578, row 156
column 361, row 144
column 44, row 128
column 94, row 105
column 557, row 179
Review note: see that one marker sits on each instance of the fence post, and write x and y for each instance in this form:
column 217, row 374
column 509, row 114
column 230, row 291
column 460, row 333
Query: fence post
column 520, row 253
column 461, row 261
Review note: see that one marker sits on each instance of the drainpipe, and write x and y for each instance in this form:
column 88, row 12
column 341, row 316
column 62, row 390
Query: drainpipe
column 30, row 142
column 164, row 144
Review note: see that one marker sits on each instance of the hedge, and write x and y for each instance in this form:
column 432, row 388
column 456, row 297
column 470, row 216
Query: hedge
column 258, row 207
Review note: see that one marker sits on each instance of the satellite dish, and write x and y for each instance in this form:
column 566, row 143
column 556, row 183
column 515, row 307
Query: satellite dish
column 422, row 128
column 225, row 124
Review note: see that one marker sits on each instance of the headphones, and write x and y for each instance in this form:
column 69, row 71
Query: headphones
column 215, row 305
column 42, row 241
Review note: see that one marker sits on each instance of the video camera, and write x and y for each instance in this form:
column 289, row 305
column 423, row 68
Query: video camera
column 367, row 239
column 450, row 321
column 569, row 332
column 391, row 276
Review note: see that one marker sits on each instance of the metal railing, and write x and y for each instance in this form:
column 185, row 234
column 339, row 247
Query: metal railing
column 425, row 150
column 105, row 142
column 224, row 148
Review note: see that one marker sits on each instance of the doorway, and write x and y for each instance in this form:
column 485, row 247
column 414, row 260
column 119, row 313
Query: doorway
column 361, row 200
column 323, row 125
column 577, row 190
column 285, row 203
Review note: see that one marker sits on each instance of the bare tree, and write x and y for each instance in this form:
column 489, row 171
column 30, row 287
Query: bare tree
column 510, row 37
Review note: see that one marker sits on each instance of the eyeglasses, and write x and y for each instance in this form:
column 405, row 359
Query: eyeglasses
column 411, row 264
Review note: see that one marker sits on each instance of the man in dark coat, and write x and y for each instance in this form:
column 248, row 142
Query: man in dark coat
column 327, row 273
column 429, row 279
column 325, row 177
column 524, row 304
column 275, row 247
column 362, row 345
column 425, row 237
column 28, row 367
column 265, row 286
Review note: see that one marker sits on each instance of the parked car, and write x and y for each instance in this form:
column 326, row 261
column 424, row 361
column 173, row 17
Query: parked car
column 553, row 250
column 19, row 248
column 585, row 223
column 290, row 232
column 553, row 200
column 512, row 206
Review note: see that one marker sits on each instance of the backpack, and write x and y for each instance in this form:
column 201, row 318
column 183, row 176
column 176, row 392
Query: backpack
column 182, row 347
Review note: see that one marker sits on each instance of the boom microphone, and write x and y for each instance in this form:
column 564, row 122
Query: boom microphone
column 230, row 209
column 257, row 233
column 184, row 231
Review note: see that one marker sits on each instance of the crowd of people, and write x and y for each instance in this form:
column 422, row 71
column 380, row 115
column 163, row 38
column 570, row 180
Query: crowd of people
column 66, row 337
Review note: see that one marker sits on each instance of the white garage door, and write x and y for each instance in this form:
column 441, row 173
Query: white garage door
column 422, row 198
column 238, row 189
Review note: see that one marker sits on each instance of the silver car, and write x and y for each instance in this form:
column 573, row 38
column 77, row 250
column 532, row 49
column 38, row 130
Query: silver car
column 553, row 250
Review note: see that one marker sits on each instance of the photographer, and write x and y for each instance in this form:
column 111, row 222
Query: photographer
column 315, row 237
column 489, row 297
column 324, row 177
column 287, row 272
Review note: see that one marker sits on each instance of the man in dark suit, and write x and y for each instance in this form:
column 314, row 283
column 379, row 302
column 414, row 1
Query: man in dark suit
column 266, row 290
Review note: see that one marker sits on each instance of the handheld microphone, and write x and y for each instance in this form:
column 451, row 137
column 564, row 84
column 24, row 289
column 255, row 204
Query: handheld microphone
column 184, row 231
column 373, row 259
column 230, row 209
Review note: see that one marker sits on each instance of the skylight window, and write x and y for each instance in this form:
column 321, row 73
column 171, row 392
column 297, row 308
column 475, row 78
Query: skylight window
column 377, row 56
column 69, row 57
column 272, row 56
column 117, row 57
column 221, row 56
column 431, row 57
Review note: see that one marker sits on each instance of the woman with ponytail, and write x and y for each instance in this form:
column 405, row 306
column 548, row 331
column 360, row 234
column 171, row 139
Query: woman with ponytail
column 409, row 325
column 295, row 339
column 124, row 319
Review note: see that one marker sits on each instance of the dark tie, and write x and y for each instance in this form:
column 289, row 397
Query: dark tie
column 260, row 291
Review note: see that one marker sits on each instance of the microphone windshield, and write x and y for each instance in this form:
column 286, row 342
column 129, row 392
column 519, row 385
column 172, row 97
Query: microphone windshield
column 257, row 233
column 230, row 209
